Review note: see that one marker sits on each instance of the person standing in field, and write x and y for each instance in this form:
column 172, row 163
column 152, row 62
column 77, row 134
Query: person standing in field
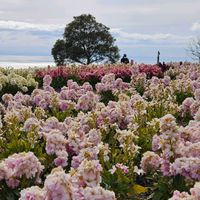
column 124, row 59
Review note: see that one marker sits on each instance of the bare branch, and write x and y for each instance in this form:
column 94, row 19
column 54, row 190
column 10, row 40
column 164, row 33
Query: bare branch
column 194, row 48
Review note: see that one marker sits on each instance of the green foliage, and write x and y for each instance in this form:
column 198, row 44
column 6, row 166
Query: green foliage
column 107, row 96
column 140, row 87
column 119, row 182
column 60, row 81
column 61, row 115
column 7, row 194
column 125, row 78
column 183, row 120
column 13, row 89
column 163, row 187
column 181, row 96
column 93, row 80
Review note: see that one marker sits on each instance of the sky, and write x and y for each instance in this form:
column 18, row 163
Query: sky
column 29, row 28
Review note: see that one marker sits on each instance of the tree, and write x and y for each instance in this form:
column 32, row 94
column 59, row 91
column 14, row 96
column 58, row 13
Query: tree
column 87, row 41
column 194, row 48
column 59, row 52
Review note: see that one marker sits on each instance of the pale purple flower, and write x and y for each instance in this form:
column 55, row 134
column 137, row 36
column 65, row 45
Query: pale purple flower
column 62, row 158
column 58, row 185
column 98, row 193
column 32, row 193
column 31, row 124
column 150, row 161
column 47, row 80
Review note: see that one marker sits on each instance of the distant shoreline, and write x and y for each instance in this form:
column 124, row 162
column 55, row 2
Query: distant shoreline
column 18, row 65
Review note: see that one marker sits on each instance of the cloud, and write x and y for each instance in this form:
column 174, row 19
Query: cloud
column 158, row 37
column 195, row 26
column 25, row 59
column 26, row 43
column 150, row 14
column 18, row 25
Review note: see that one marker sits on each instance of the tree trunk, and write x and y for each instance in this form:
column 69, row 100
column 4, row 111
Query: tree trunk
column 88, row 61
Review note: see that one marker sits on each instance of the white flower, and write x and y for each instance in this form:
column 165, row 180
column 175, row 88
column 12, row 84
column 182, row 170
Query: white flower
column 138, row 171
column 112, row 171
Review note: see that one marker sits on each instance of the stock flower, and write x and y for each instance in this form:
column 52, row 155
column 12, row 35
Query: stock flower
column 31, row 124
column 63, row 105
column 197, row 115
column 55, row 142
column 87, row 101
column 120, row 166
column 181, row 196
column 197, row 94
column 150, row 161
column 186, row 105
column 156, row 143
column 62, row 158
column 98, row 193
column 195, row 194
column 12, row 182
column 85, row 153
column 7, row 97
column 195, row 191
column 21, row 164
column 80, row 143
column 32, row 193
column 105, row 149
column 58, row 185
column 47, row 80
column 168, row 122
column 188, row 167
column 88, row 173
column 94, row 137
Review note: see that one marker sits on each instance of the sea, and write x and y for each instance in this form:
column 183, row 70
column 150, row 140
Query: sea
column 24, row 62
column 18, row 62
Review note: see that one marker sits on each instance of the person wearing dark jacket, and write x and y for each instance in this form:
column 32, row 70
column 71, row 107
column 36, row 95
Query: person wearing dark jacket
column 124, row 59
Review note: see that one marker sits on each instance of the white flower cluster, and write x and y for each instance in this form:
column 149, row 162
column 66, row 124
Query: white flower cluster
column 16, row 80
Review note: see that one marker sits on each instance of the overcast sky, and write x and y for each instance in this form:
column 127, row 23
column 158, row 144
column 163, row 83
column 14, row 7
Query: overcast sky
column 29, row 28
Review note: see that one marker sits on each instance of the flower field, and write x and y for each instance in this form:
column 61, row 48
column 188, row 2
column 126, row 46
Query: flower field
column 100, row 133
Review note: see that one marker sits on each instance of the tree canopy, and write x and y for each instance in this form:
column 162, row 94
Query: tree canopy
column 86, row 41
column 59, row 52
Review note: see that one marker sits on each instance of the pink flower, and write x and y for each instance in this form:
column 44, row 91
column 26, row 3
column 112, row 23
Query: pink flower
column 98, row 193
column 58, row 185
column 32, row 193
column 149, row 161
column 31, row 124
column 63, row 105
column 61, row 160
column 21, row 164
column 88, row 173
column 12, row 183
column 47, row 80
column 55, row 142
